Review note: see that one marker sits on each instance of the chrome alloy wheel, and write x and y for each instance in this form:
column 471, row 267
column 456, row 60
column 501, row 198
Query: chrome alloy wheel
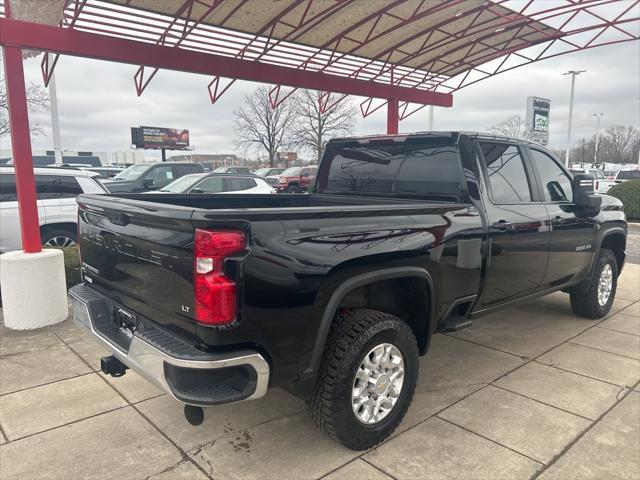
column 60, row 241
column 605, row 283
column 377, row 384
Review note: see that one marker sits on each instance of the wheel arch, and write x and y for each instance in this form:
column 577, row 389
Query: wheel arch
column 351, row 285
column 71, row 226
column 615, row 239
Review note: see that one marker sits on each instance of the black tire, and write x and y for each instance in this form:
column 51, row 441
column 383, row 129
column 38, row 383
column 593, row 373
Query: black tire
column 293, row 189
column 59, row 237
column 353, row 334
column 584, row 296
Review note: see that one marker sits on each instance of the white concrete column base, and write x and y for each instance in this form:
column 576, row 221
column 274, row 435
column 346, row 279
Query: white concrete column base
column 34, row 292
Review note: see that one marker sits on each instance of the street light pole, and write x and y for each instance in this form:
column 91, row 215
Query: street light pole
column 55, row 120
column 595, row 154
column 573, row 74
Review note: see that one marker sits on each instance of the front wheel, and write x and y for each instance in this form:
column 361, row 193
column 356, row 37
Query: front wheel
column 367, row 378
column 293, row 189
column 594, row 297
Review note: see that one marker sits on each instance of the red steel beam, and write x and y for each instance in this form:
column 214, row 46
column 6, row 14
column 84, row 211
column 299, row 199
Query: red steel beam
column 21, row 146
column 393, row 116
column 101, row 47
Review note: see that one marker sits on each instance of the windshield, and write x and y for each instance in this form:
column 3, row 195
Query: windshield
column 430, row 171
column 261, row 172
column 220, row 170
column 183, row 183
column 132, row 173
column 293, row 171
column 628, row 174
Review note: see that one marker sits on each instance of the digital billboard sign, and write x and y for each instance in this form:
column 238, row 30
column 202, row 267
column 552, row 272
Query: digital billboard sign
column 160, row 138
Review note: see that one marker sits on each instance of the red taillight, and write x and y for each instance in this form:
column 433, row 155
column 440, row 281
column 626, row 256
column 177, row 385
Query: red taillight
column 215, row 296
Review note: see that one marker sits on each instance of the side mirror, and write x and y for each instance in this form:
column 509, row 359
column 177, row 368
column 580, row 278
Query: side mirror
column 148, row 183
column 584, row 195
column 196, row 190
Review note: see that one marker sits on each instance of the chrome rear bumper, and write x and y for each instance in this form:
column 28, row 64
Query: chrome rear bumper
column 189, row 375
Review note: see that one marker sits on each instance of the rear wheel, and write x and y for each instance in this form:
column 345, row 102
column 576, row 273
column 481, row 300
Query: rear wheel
column 594, row 297
column 58, row 237
column 367, row 378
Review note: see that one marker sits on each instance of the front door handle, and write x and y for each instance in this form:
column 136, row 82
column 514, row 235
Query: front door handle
column 502, row 225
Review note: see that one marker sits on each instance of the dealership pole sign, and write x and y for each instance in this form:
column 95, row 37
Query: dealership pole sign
column 537, row 119
column 160, row 138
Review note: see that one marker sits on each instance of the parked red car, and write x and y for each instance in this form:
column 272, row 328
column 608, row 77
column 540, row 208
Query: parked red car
column 296, row 179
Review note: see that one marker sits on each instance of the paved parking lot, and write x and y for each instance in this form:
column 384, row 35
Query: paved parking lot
column 530, row 392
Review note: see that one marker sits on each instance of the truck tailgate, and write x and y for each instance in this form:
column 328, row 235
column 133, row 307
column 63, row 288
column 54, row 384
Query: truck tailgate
column 140, row 256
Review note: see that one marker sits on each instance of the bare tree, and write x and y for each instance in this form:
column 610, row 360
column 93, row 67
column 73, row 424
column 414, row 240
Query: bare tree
column 261, row 128
column 617, row 144
column 37, row 101
column 620, row 143
column 314, row 128
column 513, row 127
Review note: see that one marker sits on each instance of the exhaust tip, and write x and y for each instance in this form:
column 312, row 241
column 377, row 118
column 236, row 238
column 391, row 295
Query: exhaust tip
column 194, row 415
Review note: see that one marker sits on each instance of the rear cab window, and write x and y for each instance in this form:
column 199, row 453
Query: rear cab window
column 429, row 169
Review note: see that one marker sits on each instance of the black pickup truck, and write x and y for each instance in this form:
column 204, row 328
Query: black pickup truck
column 334, row 295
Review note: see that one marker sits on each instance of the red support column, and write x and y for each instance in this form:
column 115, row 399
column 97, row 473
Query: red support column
column 21, row 145
column 392, row 116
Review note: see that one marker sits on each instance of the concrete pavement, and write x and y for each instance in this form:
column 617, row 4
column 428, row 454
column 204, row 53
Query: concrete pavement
column 529, row 392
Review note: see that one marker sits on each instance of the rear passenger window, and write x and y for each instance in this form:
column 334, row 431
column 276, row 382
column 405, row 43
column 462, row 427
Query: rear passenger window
column 8, row 188
column 238, row 184
column 161, row 176
column 555, row 183
column 210, row 185
column 57, row 186
column 507, row 175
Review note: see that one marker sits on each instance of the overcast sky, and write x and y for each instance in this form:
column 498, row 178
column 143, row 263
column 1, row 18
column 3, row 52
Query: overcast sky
column 98, row 103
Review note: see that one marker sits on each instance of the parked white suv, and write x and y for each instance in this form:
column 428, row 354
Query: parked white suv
column 602, row 184
column 57, row 189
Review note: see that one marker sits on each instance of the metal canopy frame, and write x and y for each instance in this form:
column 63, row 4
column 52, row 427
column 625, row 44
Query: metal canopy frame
column 404, row 54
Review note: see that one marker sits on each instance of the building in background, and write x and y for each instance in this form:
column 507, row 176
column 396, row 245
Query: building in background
column 210, row 160
column 537, row 119
column 42, row 158
column 287, row 159
column 129, row 157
